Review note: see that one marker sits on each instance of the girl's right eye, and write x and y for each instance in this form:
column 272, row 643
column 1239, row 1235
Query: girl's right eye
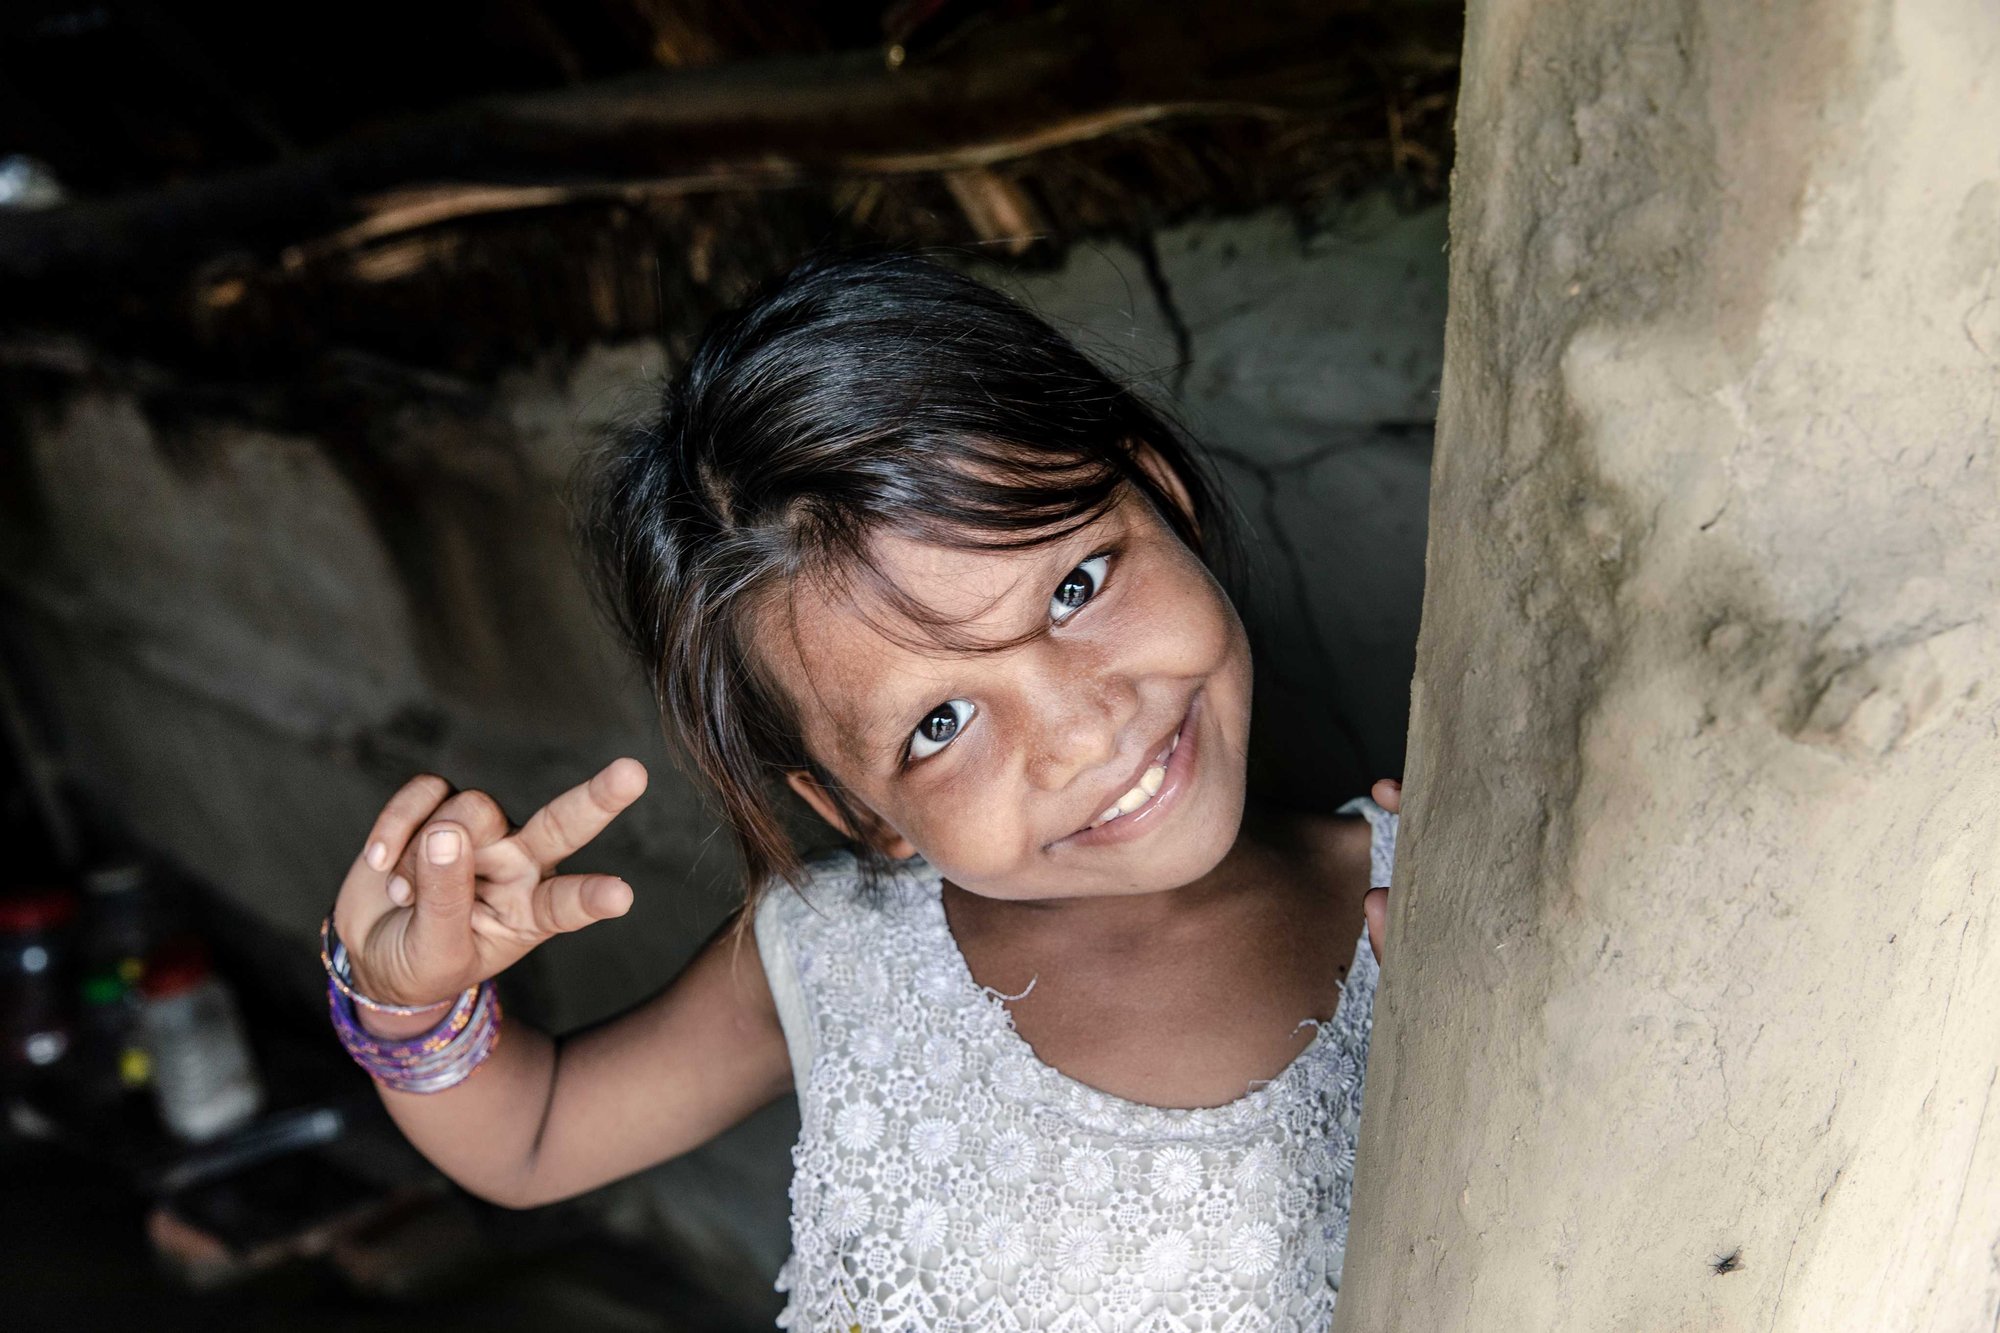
column 1073, row 592
column 940, row 728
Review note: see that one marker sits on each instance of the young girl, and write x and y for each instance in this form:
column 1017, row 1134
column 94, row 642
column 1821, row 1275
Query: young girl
column 1077, row 1037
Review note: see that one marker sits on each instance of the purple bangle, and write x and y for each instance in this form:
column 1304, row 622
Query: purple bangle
column 441, row 1057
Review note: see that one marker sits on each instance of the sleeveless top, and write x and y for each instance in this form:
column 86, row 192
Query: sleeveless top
column 947, row 1180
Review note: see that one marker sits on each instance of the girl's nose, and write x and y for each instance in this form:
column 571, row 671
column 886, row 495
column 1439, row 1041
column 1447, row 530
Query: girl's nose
column 1082, row 717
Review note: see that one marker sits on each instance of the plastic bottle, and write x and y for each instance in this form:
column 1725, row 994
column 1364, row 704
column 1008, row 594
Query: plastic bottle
column 204, row 1081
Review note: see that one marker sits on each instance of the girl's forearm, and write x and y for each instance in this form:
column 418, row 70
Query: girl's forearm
column 545, row 1119
column 481, row 1133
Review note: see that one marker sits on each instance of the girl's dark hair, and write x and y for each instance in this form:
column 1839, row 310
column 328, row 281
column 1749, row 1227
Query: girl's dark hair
column 855, row 394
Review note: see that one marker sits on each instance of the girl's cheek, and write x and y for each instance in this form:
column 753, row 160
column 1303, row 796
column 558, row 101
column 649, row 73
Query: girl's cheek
column 974, row 856
column 964, row 820
column 1198, row 625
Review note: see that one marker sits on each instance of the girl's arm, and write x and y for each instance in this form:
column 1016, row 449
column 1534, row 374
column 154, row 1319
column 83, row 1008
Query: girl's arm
column 543, row 1119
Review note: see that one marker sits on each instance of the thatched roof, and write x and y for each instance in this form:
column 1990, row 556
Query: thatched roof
column 453, row 196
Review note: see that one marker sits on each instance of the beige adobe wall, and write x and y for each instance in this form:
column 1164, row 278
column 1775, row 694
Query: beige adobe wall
column 1692, row 945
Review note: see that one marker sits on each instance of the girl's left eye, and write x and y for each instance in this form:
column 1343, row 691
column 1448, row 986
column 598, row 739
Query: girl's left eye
column 941, row 728
column 1078, row 586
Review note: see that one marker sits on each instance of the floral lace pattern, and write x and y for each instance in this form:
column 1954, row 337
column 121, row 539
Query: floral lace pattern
column 946, row 1180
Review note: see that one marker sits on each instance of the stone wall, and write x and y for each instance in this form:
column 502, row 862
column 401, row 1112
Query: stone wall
column 248, row 636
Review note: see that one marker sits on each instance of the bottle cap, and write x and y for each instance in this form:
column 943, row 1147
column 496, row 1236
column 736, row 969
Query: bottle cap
column 24, row 911
column 174, row 968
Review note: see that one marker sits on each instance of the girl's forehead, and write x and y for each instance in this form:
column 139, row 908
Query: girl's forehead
column 957, row 586
column 910, row 588
column 859, row 622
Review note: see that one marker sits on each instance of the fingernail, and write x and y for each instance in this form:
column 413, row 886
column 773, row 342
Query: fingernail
column 378, row 856
column 399, row 891
column 442, row 846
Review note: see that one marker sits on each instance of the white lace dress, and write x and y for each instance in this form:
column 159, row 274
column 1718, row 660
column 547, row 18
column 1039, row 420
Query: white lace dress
column 947, row 1180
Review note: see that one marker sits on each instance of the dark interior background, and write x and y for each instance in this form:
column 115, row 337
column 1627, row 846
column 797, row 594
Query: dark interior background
column 303, row 317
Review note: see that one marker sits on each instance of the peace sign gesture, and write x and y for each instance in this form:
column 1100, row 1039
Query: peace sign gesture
column 446, row 894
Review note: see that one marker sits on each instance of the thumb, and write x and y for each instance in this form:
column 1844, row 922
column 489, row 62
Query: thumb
column 1375, row 906
column 440, row 929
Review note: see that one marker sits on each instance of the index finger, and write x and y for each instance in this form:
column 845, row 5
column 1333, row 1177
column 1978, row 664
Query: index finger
column 572, row 819
column 402, row 815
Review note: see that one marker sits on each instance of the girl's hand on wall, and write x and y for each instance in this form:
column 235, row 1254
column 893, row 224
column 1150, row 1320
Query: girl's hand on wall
column 1387, row 793
column 445, row 894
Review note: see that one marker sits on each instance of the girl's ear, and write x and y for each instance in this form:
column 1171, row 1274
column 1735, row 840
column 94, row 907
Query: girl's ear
column 1165, row 477
column 885, row 840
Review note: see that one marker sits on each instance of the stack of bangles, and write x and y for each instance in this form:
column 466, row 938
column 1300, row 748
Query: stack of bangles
column 440, row 1057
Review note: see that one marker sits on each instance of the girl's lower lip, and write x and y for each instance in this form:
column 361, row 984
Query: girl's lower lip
column 1180, row 772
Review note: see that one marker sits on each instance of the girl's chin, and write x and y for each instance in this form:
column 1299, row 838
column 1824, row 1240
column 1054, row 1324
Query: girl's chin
column 1127, row 871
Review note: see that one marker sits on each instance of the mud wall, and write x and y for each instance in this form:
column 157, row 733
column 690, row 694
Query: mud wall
column 1692, row 1015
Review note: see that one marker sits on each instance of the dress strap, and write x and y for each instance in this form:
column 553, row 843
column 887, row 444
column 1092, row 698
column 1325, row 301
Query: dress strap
column 1381, row 843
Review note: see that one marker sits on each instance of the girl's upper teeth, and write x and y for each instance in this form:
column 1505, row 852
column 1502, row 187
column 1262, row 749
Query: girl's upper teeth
column 1149, row 785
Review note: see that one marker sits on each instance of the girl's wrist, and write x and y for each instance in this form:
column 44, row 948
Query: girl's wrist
column 381, row 1018
column 432, row 1059
column 408, row 1047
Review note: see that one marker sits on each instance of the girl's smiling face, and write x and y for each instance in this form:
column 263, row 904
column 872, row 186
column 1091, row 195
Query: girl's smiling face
column 997, row 764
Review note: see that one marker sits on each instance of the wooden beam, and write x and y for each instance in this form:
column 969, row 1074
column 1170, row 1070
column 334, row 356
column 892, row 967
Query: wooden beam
column 1002, row 92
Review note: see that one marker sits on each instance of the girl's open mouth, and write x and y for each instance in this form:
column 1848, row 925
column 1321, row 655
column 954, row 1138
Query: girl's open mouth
column 1157, row 790
column 1148, row 786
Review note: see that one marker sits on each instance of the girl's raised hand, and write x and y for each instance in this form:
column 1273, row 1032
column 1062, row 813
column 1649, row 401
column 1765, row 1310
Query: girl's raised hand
column 445, row 895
